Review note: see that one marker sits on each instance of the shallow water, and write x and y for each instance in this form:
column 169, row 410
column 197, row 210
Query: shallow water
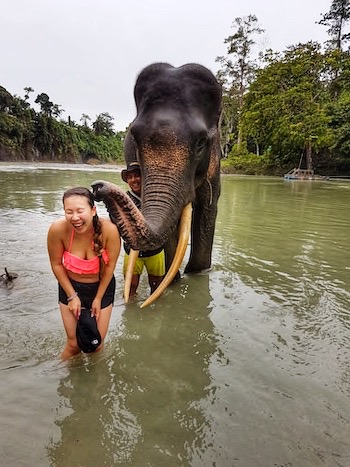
column 247, row 365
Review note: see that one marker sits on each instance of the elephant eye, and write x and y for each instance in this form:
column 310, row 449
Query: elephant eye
column 201, row 144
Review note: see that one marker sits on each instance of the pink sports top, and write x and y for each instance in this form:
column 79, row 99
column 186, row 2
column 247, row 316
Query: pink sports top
column 79, row 265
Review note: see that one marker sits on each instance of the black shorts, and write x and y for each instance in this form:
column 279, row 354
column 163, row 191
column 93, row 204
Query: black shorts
column 87, row 293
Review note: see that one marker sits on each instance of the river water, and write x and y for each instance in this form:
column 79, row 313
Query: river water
column 246, row 365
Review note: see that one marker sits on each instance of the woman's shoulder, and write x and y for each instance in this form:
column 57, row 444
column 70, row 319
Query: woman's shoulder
column 59, row 226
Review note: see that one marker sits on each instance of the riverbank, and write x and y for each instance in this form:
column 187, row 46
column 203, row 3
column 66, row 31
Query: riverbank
column 62, row 166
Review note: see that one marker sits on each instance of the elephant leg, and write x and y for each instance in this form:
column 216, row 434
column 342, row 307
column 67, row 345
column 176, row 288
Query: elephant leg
column 203, row 228
column 202, row 244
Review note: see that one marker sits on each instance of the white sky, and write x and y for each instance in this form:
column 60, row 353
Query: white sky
column 86, row 54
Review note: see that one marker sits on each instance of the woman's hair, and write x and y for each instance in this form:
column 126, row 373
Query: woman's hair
column 82, row 191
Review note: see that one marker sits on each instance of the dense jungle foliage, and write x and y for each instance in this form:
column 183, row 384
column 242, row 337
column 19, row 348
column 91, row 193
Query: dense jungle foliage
column 39, row 136
column 277, row 108
column 282, row 106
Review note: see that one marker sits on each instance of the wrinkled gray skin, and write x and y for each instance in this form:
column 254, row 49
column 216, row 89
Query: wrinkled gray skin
column 175, row 139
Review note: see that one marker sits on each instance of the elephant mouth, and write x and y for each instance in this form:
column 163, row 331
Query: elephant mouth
column 184, row 234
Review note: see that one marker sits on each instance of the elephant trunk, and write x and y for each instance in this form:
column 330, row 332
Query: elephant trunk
column 146, row 230
column 165, row 187
column 162, row 204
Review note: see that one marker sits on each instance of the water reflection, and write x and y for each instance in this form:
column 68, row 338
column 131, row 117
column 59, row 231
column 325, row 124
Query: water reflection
column 289, row 243
column 98, row 430
column 143, row 399
column 290, row 247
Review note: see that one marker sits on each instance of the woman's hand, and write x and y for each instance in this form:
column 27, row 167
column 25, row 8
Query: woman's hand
column 96, row 308
column 74, row 306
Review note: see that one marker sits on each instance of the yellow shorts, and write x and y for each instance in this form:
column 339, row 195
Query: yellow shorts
column 155, row 265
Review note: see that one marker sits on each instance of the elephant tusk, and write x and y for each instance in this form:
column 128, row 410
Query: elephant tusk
column 184, row 235
column 133, row 255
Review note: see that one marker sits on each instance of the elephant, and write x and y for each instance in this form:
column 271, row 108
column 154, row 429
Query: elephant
column 175, row 139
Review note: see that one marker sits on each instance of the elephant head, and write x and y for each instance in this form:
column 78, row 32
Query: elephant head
column 175, row 138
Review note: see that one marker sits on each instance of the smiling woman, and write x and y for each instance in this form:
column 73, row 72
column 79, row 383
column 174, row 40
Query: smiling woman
column 83, row 252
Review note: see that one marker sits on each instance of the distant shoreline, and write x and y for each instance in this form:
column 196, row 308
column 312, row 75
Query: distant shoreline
column 117, row 168
column 62, row 165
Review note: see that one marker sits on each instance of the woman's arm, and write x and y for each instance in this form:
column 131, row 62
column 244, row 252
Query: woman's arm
column 111, row 240
column 55, row 249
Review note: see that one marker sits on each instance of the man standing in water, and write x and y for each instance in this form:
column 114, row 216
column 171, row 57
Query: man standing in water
column 153, row 261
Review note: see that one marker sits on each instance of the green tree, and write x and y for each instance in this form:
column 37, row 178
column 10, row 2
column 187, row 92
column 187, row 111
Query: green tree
column 45, row 104
column 336, row 20
column 27, row 90
column 26, row 134
column 340, row 122
column 6, row 99
column 228, row 123
column 103, row 125
column 47, row 107
column 285, row 110
column 56, row 111
column 84, row 119
column 237, row 71
column 339, row 108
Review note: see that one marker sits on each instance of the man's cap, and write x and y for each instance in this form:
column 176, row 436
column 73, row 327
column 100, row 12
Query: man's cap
column 88, row 335
column 130, row 168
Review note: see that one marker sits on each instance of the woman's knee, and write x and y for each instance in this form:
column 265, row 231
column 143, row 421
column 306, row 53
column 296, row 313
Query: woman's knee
column 70, row 350
column 103, row 321
column 72, row 344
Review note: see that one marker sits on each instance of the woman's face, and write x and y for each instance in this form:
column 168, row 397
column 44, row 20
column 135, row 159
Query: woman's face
column 79, row 213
